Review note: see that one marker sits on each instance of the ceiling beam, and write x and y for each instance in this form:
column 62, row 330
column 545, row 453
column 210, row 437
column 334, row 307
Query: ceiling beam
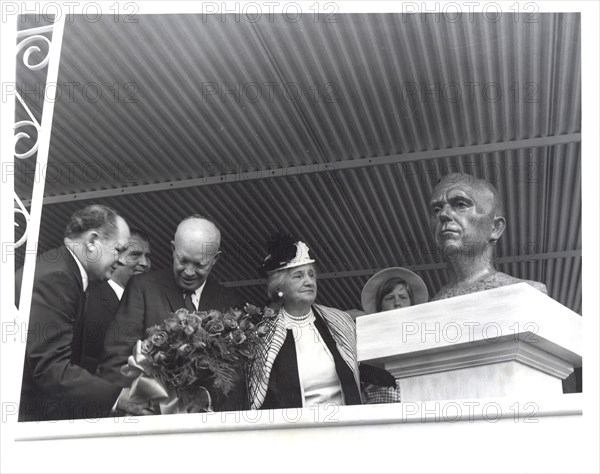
column 424, row 267
column 251, row 174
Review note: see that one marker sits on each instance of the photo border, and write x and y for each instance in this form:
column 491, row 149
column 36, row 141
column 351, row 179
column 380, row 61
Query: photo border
column 13, row 350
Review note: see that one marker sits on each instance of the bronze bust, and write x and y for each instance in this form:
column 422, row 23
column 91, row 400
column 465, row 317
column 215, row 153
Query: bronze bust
column 466, row 218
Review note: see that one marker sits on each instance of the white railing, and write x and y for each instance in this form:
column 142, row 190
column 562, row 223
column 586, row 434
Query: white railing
column 29, row 40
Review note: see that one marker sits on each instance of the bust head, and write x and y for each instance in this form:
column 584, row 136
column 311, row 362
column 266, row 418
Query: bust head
column 466, row 219
column 465, row 214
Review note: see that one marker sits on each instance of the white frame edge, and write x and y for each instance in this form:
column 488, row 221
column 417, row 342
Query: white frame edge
column 491, row 410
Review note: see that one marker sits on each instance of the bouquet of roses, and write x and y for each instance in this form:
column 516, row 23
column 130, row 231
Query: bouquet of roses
column 194, row 351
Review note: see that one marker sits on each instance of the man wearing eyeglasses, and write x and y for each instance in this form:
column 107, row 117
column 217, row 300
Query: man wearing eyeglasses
column 150, row 298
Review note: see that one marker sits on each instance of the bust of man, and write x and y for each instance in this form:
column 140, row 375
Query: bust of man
column 466, row 218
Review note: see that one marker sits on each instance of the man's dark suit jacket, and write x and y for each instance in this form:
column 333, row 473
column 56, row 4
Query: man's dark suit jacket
column 54, row 386
column 101, row 309
column 148, row 300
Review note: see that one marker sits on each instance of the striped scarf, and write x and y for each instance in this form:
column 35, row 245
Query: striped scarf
column 342, row 329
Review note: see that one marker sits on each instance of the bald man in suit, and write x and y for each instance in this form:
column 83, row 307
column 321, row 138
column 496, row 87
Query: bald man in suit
column 149, row 299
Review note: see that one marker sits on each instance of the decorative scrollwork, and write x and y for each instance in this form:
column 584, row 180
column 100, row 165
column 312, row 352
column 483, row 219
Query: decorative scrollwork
column 20, row 209
column 34, row 49
column 20, row 135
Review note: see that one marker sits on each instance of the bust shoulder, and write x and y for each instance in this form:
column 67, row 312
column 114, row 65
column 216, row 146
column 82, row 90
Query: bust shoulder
column 502, row 279
column 496, row 280
column 537, row 285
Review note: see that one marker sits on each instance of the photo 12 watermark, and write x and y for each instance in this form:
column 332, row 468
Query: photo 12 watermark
column 466, row 331
column 463, row 12
column 91, row 92
column 90, row 12
column 270, row 12
column 269, row 92
column 325, row 414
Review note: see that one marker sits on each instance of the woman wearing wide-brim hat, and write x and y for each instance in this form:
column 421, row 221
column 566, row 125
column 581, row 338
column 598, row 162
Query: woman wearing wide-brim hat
column 393, row 288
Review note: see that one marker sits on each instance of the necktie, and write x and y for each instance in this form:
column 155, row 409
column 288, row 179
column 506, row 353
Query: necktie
column 187, row 300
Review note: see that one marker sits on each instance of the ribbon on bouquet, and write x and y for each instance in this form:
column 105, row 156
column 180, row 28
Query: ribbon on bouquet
column 163, row 400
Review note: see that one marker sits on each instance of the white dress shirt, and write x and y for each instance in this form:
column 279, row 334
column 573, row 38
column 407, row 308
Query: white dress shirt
column 118, row 289
column 196, row 295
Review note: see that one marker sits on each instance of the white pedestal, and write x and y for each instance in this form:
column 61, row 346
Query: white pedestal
column 512, row 341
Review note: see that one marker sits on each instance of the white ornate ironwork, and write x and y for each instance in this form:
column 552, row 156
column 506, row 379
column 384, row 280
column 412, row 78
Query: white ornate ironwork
column 24, row 123
column 32, row 48
column 40, row 148
column 20, row 209
column 18, row 136
column 31, row 36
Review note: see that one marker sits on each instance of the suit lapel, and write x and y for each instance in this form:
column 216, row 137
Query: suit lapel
column 206, row 301
column 109, row 298
column 71, row 264
column 173, row 294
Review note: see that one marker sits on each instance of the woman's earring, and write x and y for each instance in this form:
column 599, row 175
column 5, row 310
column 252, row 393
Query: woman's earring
column 280, row 294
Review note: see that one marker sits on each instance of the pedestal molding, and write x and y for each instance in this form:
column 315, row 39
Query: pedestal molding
column 480, row 353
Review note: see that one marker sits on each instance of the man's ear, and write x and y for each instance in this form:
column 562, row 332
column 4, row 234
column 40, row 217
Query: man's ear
column 91, row 237
column 499, row 226
column 173, row 245
column 216, row 257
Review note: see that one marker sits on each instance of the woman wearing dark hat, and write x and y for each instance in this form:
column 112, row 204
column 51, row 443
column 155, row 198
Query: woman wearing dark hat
column 308, row 355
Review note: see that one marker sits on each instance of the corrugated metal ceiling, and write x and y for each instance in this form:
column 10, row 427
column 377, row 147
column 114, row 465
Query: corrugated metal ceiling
column 366, row 87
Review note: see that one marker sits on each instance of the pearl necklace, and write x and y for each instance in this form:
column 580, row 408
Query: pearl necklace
column 298, row 320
